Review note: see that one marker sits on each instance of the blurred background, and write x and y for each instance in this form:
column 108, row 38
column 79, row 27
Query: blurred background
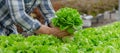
column 94, row 12
column 87, row 6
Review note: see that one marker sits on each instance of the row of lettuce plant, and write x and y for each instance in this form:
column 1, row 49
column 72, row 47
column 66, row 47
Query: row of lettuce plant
column 105, row 39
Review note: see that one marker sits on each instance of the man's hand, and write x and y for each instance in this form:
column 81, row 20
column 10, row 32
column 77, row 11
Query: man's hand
column 43, row 30
column 53, row 31
column 58, row 33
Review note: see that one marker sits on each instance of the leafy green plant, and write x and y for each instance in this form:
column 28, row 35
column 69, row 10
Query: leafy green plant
column 105, row 39
column 67, row 19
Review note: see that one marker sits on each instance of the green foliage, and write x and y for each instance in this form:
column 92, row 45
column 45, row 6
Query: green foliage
column 68, row 19
column 105, row 39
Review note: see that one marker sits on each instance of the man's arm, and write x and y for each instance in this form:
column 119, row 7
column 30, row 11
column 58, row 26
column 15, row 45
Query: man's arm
column 19, row 16
column 47, row 10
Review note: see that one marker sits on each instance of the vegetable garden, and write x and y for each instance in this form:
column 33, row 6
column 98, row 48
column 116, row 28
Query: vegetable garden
column 104, row 39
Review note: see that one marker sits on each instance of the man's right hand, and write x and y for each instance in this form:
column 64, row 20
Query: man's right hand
column 58, row 33
column 53, row 31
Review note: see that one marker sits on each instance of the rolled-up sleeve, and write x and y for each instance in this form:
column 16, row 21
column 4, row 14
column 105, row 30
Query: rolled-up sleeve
column 20, row 17
column 47, row 9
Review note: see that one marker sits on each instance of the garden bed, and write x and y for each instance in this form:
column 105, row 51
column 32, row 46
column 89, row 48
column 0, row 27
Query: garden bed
column 104, row 39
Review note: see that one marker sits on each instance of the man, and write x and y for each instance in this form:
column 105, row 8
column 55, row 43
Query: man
column 17, row 12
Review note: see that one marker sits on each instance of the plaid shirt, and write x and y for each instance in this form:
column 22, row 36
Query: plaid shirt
column 17, row 12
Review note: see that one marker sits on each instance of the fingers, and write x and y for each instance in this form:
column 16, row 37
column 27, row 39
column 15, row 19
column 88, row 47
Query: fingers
column 63, row 34
column 51, row 25
column 58, row 33
column 43, row 30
